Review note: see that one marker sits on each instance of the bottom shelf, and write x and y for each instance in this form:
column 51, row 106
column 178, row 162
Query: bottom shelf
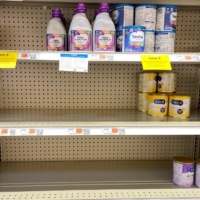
column 90, row 180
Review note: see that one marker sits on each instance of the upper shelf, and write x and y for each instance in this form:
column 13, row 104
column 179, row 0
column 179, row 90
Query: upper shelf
column 158, row 2
column 193, row 58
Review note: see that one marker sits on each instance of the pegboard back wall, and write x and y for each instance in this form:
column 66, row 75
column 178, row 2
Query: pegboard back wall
column 41, row 85
column 96, row 148
column 24, row 28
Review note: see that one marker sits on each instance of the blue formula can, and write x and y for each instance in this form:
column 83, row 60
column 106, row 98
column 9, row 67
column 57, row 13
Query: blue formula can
column 122, row 15
column 166, row 18
column 145, row 15
column 119, row 40
column 134, row 38
column 165, row 41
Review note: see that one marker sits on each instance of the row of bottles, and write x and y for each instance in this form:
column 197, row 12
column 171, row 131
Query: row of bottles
column 82, row 36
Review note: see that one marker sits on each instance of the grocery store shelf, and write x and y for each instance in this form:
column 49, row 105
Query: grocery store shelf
column 47, row 122
column 103, row 178
column 105, row 57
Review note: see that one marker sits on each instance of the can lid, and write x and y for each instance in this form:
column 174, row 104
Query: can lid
column 184, row 160
column 152, row 31
column 141, row 5
column 161, row 32
column 168, row 6
column 154, row 73
column 167, row 73
column 180, row 95
column 134, row 27
column 158, row 94
column 123, row 5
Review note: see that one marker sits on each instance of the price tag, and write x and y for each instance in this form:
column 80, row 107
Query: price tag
column 4, row 131
column 25, row 56
column 156, row 62
column 8, row 59
column 73, row 62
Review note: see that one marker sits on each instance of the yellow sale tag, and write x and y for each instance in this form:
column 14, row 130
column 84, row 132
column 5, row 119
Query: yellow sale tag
column 8, row 59
column 156, row 62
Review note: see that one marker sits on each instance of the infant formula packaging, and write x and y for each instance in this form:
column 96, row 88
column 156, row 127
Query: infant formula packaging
column 165, row 41
column 183, row 171
column 147, row 82
column 197, row 176
column 143, row 101
column 179, row 105
column 150, row 41
column 166, row 18
column 104, row 34
column 167, row 82
column 158, row 104
column 80, row 31
column 119, row 40
column 145, row 15
column 134, row 38
column 122, row 15
column 56, row 38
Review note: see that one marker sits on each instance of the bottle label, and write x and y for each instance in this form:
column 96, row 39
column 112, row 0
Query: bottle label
column 56, row 42
column 105, row 40
column 81, row 40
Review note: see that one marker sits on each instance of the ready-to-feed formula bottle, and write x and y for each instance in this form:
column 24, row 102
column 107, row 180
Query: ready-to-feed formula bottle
column 56, row 38
column 96, row 12
column 80, row 31
column 104, row 34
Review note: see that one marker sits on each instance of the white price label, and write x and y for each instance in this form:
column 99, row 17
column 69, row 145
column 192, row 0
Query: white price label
column 31, row 56
column 76, row 131
column 73, row 62
column 22, row 131
column 112, row 131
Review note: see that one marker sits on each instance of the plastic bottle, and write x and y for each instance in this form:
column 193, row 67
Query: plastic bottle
column 80, row 31
column 96, row 12
column 56, row 37
column 104, row 33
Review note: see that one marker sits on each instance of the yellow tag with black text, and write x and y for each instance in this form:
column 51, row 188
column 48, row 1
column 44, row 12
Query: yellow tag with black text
column 155, row 62
column 8, row 59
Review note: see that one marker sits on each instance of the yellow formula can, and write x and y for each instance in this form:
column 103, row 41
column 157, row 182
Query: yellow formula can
column 158, row 104
column 167, row 82
column 147, row 82
column 179, row 105
column 143, row 101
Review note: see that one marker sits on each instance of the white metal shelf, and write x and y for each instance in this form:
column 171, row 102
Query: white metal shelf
column 49, row 122
column 91, row 180
column 192, row 58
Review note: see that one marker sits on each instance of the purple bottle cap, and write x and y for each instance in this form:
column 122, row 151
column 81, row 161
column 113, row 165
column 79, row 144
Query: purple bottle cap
column 56, row 13
column 75, row 12
column 104, row 7
column 81, row 5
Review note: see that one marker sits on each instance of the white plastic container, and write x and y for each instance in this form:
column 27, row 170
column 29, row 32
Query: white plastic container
column 104, row 33
column 150, row 41
column 165, row 41
column 56, row 36
column 145, row 15
column 96, row 12
column 80, row 31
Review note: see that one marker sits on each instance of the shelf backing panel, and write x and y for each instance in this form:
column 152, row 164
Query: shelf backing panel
column 96, row 148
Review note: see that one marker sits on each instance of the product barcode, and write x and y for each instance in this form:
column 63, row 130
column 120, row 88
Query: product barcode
column 110, row 57
column 86, row 131
column 32, row 56
column 122, row 131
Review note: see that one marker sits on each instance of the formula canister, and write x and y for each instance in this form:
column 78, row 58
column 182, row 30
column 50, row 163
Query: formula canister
column 197, row 175
column 119, row 40
column 179, row 105
column 158, row 104
column 166, row 18
column 166, row 82
column 147, row 82
column 145, row 15
column 165, row 41
column 134, row 38
column 143, row 101
column 122, row 15
column 183, row 171
column 149, row 41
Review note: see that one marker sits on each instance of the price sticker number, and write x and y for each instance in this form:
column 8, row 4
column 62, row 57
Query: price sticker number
column 156, row 62
column 4, row 131
column 8, row 59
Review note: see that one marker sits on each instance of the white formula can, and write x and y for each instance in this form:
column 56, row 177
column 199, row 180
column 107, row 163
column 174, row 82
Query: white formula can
column 197, row 177
column 183, row 171
column 122, row 15
column 165, row 41
column 166, row 18
column 145, row 15
column 150, row 41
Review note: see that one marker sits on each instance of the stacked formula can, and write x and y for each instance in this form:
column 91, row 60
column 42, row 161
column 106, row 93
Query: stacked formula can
column 157, row 95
